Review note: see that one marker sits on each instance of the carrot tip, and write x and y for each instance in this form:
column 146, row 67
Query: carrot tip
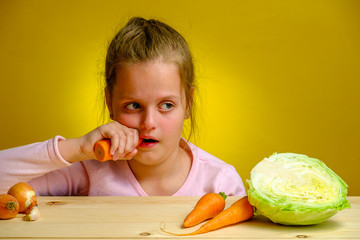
column 162, row 225
column 162, row 228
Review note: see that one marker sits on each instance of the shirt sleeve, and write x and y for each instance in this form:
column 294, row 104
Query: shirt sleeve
column 36, row 162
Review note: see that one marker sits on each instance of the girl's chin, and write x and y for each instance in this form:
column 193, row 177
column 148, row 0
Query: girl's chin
column 146, row 160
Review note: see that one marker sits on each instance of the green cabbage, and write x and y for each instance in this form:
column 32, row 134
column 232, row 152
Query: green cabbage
column 294, row 189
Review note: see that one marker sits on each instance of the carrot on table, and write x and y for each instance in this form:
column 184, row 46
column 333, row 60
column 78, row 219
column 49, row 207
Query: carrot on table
column 239, row 211
column 102, row 149
column 207, row 207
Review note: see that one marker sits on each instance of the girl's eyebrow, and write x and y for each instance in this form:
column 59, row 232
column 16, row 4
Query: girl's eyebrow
column 171, row 97
column 132, row 98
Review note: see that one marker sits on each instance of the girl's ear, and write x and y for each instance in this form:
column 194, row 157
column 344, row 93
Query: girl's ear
column 108, row 102
column 192, row 94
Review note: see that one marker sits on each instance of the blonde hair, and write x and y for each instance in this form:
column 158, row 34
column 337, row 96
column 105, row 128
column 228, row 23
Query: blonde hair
column 143, row 40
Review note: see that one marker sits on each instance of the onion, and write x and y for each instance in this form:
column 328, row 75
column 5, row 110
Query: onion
column 25, row 196
column 9, row 206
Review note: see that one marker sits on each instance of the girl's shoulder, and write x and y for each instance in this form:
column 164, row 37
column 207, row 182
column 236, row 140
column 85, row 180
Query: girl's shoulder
column 198, row 154
column 211, row 174
column 205, row 163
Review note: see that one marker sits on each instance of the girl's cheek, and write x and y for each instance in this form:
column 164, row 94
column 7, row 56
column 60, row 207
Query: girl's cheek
column 129, row 120
column 172, row 125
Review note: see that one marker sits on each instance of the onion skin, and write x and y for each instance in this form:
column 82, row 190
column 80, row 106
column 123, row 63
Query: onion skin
column 9, row 206
column 25, row 195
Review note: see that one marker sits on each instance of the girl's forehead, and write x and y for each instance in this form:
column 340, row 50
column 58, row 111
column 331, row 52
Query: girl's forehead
column 148, row 79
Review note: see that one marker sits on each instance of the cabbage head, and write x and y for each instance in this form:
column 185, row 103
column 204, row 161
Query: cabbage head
column 294, row 189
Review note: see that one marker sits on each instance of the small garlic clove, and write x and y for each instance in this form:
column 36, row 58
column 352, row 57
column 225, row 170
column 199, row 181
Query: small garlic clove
column 33, row 215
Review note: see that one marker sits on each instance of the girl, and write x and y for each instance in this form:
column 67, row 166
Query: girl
column 149, row 93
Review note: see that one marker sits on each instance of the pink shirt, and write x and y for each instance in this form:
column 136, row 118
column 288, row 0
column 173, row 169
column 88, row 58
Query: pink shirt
column 43, row 167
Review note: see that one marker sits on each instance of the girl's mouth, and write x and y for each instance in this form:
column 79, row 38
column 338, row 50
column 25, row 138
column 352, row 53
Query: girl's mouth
column 148, row 142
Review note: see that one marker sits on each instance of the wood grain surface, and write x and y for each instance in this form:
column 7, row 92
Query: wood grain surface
column 140, row 218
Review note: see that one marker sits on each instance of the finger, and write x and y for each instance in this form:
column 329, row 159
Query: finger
column 132, row 140
column 114, row 145
column 120, row 152
column 122, row 143
column 130, row 155
column 136, row 139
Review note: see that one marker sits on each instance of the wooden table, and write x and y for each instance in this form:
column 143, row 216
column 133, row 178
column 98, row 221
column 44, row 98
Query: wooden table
column 140, row 217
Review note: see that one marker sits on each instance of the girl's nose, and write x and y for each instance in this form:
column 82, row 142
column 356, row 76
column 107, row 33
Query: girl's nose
column 148, row 120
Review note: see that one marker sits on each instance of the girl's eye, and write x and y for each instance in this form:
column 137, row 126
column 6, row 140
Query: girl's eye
column 166, row 106
column 132, row 106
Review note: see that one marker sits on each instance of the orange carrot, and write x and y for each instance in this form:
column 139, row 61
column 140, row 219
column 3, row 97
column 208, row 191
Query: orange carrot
column 102, row 149
column 209, row 205
column 239, row 211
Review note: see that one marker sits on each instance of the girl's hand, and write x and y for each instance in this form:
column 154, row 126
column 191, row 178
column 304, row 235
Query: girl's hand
column 123, row 140
column 123, row 143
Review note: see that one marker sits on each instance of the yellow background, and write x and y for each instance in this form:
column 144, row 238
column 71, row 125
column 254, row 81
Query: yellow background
column 274, row 76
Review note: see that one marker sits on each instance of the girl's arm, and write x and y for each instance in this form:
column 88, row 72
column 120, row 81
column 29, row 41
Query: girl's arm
column 27, row 162
column 23, row 163
column 123, row 143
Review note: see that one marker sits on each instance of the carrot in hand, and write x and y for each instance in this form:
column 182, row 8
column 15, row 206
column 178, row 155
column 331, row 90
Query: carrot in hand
column 207, row 207
column 239, row 211
column 102, row 149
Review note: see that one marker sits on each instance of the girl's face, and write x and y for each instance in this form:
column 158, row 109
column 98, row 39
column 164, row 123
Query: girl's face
column 147, row 96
